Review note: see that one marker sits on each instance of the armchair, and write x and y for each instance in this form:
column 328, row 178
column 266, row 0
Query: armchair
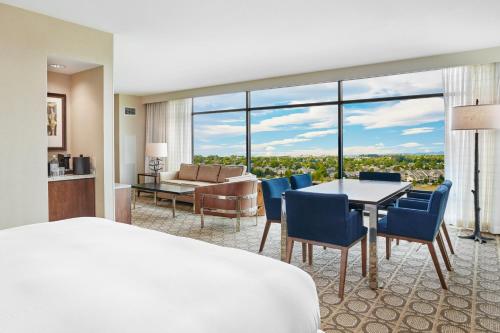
column 231, row 199
column 325, row 220
column 407, row 221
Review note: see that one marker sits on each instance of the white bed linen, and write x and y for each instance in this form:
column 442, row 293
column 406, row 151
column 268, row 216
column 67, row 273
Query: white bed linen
column 91, row 275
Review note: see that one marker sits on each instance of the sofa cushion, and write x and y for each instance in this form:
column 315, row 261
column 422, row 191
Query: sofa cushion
column 230, row 171
column 208, row 173
column 188, row 171
column 193, row 183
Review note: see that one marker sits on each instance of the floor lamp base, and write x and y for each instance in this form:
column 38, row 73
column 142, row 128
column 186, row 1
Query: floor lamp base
column 476, row 236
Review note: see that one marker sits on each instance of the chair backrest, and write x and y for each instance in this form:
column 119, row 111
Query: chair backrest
column 437, row 205
column 383, row 176
column 447, row 183
column 271, row 192
column 317, row 216
column 301, row 181
column 273, row 188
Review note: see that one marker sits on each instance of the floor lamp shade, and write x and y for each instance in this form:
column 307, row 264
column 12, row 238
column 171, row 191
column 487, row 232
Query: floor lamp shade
column 476, row 117
column 156, row 149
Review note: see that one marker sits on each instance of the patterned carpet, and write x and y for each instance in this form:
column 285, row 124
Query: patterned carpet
column 412, row 299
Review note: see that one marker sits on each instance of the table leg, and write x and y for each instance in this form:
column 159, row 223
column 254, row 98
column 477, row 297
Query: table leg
column 174, row 197
column 135, row 197
column 372, row 246
column 284, row 232
column 154, row 195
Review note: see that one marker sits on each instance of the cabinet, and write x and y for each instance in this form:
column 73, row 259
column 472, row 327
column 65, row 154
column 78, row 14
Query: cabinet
column 70, row 198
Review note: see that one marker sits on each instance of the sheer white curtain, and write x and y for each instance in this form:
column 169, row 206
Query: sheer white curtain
column 462, row 86
column 179, row 133
column 170, row 122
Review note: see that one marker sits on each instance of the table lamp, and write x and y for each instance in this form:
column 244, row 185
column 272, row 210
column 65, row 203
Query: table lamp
column 156, row 151
column 476, row 117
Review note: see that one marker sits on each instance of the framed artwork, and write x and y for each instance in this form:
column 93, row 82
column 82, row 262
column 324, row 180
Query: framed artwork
column 56, row 121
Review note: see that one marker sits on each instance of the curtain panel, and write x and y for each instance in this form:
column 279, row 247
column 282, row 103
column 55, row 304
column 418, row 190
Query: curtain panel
column 170, row 122
column 462, row 86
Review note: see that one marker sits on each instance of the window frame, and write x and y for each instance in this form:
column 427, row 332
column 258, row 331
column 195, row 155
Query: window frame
column 340, row 102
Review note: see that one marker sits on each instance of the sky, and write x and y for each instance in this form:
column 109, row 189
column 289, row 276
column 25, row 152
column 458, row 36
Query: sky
column 404, row 126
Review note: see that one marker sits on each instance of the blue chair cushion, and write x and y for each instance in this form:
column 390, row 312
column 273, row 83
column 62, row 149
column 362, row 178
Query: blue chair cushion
column 382, row 225
column 301, row 181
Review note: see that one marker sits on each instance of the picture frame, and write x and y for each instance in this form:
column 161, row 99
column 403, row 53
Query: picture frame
column 56, row 121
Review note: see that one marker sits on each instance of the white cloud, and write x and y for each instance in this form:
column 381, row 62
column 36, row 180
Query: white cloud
column 317, row 117
column 378, row 149
column 403, row 113
column 394, row 85
column 410, row 145
column 284, row 142
column 417, row 130
column 438, row 143
column 317, row 134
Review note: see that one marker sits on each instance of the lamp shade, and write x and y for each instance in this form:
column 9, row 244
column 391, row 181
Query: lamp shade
column 476, row 117
column 156, row 149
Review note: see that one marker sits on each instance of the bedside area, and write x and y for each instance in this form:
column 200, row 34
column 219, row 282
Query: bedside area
column 71, row 196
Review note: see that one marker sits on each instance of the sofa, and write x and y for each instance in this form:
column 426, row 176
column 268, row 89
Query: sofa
column 201, row 175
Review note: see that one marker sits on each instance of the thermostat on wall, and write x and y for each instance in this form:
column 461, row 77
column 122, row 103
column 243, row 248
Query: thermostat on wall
column 129, row 111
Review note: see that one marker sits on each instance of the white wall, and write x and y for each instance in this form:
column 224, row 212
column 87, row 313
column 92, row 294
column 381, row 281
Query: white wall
column 26, row 40
column 130, row 139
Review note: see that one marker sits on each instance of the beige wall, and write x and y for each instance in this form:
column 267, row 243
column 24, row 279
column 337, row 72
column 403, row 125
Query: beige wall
column 87, row 135
column 26, row 40
column 130, row 139
column 394, row 67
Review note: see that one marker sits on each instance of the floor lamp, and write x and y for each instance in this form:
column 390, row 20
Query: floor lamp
column 476, row 117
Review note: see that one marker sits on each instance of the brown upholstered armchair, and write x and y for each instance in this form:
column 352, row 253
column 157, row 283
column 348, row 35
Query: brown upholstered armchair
column 233, row 200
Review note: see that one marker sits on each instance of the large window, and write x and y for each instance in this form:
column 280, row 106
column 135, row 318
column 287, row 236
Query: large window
column 391, row 123
column 220, row 138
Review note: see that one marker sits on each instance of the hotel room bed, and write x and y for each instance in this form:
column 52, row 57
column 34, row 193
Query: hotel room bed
column 93, row 275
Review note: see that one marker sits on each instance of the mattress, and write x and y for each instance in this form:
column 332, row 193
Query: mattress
column 93, row 275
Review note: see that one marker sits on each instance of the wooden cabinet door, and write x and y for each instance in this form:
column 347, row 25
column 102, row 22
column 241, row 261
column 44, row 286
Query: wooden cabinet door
column 71, row 198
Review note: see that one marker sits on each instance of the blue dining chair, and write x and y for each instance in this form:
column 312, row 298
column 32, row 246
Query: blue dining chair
column 382, row 176
column 325, row 220
column 379, row 176
column 272, row 190
column 408, row 221
column 425, row 196
column 301, row 181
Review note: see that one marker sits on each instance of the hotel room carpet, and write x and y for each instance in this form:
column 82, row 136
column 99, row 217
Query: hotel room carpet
column 411, row 299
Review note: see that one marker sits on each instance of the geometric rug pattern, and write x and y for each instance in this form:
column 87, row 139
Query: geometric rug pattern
column 411, row 298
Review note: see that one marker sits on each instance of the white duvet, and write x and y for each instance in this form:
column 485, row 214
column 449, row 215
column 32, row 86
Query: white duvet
column 91, row 275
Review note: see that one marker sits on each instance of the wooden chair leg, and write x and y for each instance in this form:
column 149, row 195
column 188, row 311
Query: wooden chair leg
column 264, row 236
column 364, row 256
column 289, row 250
column 447, row 236
column 444, row 254
column 387, row 248
column 436, row 264
column 343, row 269
column 304, row 252
column 310, row 253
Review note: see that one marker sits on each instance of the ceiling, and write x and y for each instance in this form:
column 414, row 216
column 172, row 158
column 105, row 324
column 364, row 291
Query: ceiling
column 70, row 66
column 169, row 45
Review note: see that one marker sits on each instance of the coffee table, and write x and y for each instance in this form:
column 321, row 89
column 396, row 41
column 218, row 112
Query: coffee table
column 155, row 188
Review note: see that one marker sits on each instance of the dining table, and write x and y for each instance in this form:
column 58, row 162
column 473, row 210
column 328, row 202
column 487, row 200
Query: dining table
column 369, row 194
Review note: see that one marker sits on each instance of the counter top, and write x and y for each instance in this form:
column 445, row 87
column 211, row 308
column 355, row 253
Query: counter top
column 70, row 177
column 120, row 186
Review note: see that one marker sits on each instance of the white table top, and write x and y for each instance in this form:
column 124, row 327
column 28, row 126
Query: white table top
column 361, row 191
